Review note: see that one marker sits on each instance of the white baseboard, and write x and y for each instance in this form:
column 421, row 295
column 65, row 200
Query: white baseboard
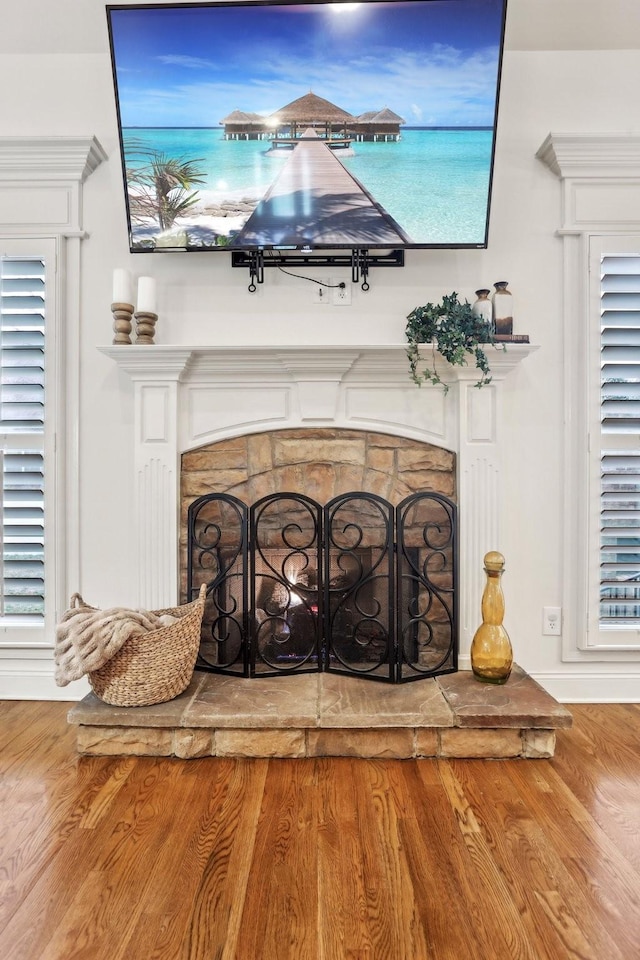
column 38, row 684
column 574, row 687
column 33, row 680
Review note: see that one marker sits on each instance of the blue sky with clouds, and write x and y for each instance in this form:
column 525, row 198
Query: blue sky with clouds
column 434, row 62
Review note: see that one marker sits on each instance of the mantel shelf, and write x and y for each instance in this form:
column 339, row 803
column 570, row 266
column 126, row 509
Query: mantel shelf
column 326, row 362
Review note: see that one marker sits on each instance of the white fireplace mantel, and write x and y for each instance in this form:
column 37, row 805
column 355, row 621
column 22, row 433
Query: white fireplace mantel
column 188, row 396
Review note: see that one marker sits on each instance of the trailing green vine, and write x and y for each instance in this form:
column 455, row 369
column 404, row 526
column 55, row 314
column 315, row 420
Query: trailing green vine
column 455, row 332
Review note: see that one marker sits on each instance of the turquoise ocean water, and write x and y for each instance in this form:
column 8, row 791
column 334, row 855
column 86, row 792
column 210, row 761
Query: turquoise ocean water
column 435, row 183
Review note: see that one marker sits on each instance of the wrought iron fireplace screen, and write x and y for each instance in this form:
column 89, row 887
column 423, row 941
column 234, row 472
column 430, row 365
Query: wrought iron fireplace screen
column 356, row 586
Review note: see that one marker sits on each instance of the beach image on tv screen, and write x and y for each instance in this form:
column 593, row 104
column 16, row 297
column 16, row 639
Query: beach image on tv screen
column 306, row 125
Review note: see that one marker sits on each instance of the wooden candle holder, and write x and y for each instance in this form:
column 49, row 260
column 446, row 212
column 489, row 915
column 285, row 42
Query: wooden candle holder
column 122, row 314
column 145, row 327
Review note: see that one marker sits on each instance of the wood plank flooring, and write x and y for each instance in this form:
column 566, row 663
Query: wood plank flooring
column 319, row 859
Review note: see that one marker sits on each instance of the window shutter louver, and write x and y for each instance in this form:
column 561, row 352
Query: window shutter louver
column 22, row 414
column 620, row 428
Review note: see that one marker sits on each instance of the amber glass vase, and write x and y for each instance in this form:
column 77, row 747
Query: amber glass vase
column 491, row 651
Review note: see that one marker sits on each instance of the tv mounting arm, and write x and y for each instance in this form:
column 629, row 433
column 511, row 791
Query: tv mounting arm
column 359, row 259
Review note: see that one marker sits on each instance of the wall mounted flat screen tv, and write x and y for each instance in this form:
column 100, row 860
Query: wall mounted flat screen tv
column 307, row 125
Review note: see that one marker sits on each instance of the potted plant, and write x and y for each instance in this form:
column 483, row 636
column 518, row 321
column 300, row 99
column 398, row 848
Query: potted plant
column 455, row 332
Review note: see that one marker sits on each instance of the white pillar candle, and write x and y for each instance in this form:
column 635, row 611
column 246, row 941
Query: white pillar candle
column 146, row 295
column 121, row 286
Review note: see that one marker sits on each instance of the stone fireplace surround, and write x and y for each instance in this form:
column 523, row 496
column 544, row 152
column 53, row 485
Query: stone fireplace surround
column 320, row 464
column 186, row 398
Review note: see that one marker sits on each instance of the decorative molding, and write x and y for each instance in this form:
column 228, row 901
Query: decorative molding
column 49, row 158
column 157, row 362
column 236, row 412
column 157, row 512
column 245, row 363
column 317, row 364
column 591, row 155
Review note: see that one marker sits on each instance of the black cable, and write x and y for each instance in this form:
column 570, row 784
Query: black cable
column 299, row 276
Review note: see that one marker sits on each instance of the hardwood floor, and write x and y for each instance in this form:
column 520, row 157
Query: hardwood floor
column 328, row 859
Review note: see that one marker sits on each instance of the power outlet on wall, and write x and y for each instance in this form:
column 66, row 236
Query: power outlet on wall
column 341, row 293
column 552, row 621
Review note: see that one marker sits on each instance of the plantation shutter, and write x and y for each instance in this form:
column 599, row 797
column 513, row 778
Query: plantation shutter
column 620, row 441
column 22, row 415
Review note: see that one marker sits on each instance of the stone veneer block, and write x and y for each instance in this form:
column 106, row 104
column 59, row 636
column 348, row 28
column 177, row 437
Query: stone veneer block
column 427, row 457
column 260, row 743
column 269, row 702
column 299, row 449
column 376, row 481
column 354, row 702
column 93, row 711
column 259, row 459
column 539, row 743
column 520, row 702
column 188, row 744
column 427, row 742
column 491, row 744
column 125, row 741
column 395, row 744
column 430, row 480
column 381, row 458
column 224, row 453
column 197, row 484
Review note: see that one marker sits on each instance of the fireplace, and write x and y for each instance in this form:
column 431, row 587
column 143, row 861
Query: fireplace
column 187, row 397
column 355, row 587
column 189, row 403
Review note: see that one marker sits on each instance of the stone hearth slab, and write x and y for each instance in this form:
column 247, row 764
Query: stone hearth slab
column 94, row 712
column 269, row 702
column 346, row 702
column 313, row 715
column 521, row 702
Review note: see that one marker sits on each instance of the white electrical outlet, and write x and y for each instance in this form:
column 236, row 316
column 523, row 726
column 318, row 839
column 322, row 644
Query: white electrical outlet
column 322, row 292
column 341, row 293
column 552, row 621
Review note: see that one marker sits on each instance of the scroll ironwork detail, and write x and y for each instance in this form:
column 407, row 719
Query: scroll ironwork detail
column 356, row 586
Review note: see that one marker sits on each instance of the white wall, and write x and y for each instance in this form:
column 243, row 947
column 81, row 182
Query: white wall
column 55, row 75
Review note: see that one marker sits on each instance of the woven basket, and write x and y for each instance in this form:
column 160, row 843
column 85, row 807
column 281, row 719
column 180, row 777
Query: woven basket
column 155, row 666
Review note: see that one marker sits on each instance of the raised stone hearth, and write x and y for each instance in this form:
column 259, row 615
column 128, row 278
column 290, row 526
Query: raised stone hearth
column 319, row 715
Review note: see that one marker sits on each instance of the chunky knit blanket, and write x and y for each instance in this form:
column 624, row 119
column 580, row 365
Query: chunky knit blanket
column 87, row 638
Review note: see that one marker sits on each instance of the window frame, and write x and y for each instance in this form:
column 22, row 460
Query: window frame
column 599, row 636
column 19, row 631
column 41, row 200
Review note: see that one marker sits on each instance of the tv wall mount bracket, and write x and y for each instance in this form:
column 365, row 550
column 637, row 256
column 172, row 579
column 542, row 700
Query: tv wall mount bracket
column 360, row 260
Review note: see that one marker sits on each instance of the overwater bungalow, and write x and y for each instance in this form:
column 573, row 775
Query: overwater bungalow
column 330, row 122
column 327, row 120
column 240, row 125
column 378, row 125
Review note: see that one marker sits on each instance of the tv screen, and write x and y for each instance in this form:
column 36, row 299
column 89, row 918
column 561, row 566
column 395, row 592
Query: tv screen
column 307, row 125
